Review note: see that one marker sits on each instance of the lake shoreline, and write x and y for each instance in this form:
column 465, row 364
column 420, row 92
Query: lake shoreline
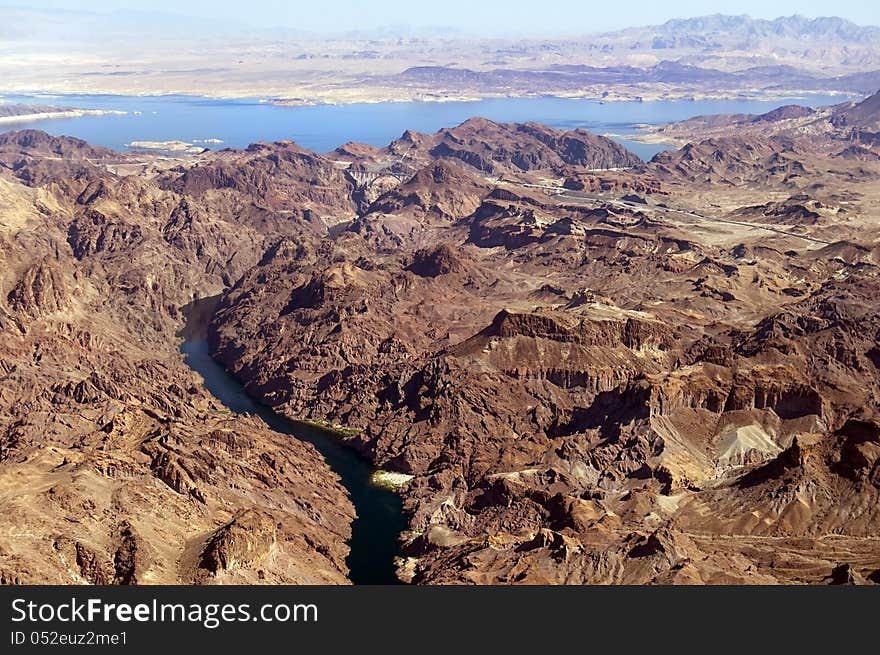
column 54, row 115
column 333, row 100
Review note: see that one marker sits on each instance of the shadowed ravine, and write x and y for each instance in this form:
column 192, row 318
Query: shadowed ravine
column 380, row 519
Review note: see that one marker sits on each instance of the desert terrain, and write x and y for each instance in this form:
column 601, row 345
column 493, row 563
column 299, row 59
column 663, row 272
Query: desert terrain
column 712, row 57
column 582, row 367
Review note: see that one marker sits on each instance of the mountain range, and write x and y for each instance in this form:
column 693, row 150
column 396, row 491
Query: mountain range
column 579, row 367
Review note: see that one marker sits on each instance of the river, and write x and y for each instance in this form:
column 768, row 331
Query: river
column 376, row 530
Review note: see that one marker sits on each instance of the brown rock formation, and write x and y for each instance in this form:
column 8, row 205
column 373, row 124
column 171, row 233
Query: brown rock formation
column 496, row 148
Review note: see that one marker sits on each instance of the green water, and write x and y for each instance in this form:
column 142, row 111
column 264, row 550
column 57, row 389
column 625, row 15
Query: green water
column 380, row 519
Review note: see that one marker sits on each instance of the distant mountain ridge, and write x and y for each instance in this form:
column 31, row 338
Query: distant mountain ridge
column 795, row 26
column 717, row 56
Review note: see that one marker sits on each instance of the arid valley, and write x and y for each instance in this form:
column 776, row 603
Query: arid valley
column 586, row 368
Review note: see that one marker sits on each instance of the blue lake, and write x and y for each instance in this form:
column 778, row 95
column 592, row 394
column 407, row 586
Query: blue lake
column 322, row 128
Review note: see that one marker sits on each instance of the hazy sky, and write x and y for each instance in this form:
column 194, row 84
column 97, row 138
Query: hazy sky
column 475, row 16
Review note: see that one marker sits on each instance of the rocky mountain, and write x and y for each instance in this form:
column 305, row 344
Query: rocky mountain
column 733, row 43
column 497, row 148
column 35, row 142
column 732, row 161
column 710, row 56
column 444, row 190
column 268, row 180
column 681, row 78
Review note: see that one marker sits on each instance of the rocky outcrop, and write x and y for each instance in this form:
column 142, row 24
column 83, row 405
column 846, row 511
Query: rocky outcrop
column 731, row 161
column 131, row 557
column 785, row 113
column 243, row 542
column 42, row 290
column 442, row 190
column 433, row 262
column 93, row 233
column 279, row 178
